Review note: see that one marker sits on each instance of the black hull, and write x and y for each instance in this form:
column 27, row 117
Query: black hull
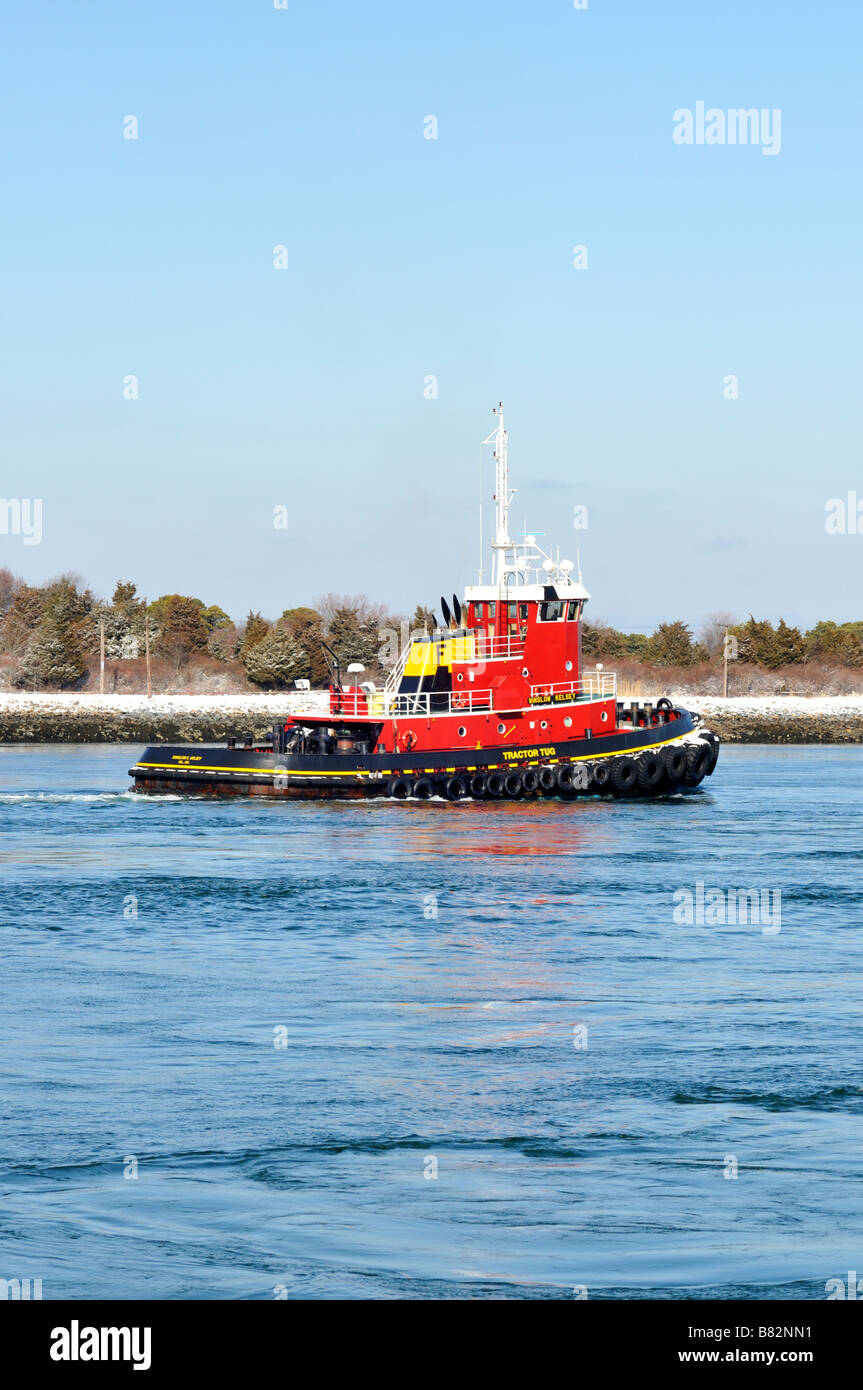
column 201, row 770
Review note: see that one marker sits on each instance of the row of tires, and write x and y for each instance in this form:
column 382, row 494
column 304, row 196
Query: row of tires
column 650, row 774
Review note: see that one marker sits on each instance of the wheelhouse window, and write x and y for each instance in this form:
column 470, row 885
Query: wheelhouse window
column 572, row 610
column 551, row 611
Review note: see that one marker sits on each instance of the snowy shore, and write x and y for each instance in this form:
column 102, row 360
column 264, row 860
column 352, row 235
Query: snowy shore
column 782, row 718
column 86, row 718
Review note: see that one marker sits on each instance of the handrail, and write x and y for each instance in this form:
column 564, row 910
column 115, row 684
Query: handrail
column 386, row 704
column 380, row 704
column 458, row 645
column 495, row 648
column 598, row 685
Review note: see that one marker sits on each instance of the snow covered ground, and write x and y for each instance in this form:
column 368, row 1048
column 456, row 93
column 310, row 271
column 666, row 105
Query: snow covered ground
column 779, row 705
column 85, row 702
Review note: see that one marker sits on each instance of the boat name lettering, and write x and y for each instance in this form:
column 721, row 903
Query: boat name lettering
column 557, row 697
column 520, row 753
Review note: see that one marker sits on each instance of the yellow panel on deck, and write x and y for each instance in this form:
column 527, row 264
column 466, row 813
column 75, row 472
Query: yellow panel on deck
column 424, row 658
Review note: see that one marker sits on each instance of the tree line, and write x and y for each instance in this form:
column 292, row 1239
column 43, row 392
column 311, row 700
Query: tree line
column 754, row 642
column 50, row 635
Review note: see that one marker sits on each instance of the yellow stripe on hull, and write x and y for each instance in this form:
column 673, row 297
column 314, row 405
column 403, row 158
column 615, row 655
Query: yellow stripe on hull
column 358, row 772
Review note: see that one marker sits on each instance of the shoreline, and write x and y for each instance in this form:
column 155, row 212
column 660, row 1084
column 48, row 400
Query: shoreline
column 132, row 719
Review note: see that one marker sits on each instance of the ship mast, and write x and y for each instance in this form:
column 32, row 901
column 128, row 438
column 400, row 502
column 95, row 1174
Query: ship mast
column 502, row 495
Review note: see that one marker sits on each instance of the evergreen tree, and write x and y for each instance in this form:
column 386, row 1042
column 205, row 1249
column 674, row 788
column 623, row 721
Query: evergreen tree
column 22, row 619
column 354, row 637
column 124, row 619
column 224, row 643
column 179, row 625
column 215, row 618
column 835, row 644
column 423, row 619
column 255, row 631
column 788, row 646
column 276, row 660
column 670, row 645
column 52, row 657
column 124, row 595
column 306, row 626
column 756, row 642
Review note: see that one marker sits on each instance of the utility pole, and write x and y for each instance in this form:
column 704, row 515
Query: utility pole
column 725, row 665
column 101, row 656
column 147, row 645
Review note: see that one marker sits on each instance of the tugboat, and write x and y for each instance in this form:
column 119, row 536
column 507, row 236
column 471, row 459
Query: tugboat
column 494, row 703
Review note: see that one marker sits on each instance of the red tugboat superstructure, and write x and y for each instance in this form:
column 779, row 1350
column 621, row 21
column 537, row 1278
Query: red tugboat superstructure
column 494, row 703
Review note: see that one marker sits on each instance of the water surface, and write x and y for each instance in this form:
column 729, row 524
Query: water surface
column 508, row 1071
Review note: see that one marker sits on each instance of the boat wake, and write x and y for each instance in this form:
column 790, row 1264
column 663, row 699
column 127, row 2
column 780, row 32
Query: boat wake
column 55, row 798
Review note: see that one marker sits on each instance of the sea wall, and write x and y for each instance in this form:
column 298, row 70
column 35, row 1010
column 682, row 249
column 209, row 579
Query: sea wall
column 782, row 718
column 85, row 718
column 133, row 719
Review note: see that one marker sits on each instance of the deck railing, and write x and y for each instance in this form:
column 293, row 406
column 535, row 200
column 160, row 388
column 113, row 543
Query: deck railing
column 384, row 704
column 497, row 648
column 597, row 685
column 380, row 704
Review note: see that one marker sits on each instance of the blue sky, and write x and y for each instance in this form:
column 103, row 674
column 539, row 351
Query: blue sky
column 410, row 257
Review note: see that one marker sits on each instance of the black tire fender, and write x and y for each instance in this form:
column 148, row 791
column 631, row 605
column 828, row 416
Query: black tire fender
column 512, row 784
column 698, row 757
column 456, row 789
column 674, row 761
column 565, row 777
column 651, row 772
column 602, row 776
column 548, row 778
column 624, row 775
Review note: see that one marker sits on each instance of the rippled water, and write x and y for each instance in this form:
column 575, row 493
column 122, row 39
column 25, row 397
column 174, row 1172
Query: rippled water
column 435, row 968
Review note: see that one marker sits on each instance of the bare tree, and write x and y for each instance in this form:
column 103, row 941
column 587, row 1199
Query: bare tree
column 9, row 585
column 712, row 632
